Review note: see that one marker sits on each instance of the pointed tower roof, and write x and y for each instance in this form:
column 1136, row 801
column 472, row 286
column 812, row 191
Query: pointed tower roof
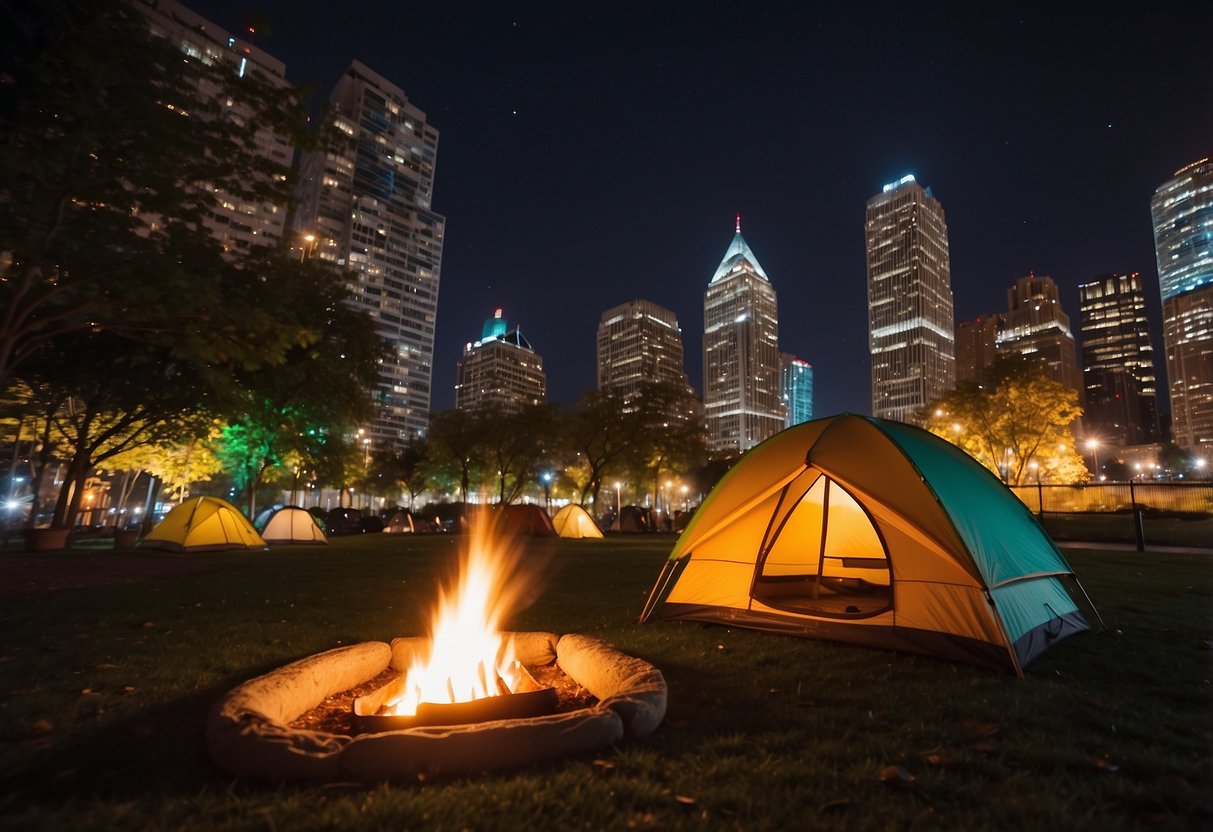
column 738, row 252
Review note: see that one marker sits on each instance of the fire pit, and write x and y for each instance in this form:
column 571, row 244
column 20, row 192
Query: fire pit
column 249, row 735
column 462, row 699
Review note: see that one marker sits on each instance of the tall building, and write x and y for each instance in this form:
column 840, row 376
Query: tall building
column 1118, row 361
column 911, row 333
column 1182, row 210
column 366, row 208
column 501, row 371
column 236, row 222
column 795, row 389
column 977, row 347
column 740, row 353
column 1037, row 327
column 639, row 342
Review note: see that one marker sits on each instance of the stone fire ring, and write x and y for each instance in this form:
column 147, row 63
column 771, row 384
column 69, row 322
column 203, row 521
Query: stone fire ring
column 248, row 733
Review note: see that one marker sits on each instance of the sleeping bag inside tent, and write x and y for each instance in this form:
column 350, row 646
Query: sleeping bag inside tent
column 876, row 533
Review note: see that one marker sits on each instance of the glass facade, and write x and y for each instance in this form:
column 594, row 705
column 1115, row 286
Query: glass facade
column 1036, row 326
column 639, row 342
column 796, row 389
column 366, row 208
column 1118, row 361
column 741, row 395
column 1182, row 210
column 911, row 335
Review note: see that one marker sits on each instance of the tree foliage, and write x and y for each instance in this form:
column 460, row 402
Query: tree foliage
column 1017, row 424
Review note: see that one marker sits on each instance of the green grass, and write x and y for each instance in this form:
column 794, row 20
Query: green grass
column 1109, row 730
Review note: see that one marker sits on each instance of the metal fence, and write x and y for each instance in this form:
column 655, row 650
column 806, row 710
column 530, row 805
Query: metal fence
column 1173, row 514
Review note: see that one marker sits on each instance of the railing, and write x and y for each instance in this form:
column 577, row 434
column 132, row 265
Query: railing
column 1174, row 514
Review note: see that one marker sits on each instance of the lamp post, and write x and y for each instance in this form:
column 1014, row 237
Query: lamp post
column 547, row 491
column 686, row 501
column 618, row 509
column 1093, row 447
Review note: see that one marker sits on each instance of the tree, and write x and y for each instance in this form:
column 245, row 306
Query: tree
column 111, row 160
column 406, row 469
column 514, row 445
column 317, row 391
column 1020, row 416
column 595, row 436
column 666, row 432
column 456, row 440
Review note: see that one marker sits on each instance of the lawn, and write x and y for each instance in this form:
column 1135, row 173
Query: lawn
column 105, row 683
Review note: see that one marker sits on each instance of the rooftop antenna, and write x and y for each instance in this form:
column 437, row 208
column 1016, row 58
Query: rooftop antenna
column 739, row 223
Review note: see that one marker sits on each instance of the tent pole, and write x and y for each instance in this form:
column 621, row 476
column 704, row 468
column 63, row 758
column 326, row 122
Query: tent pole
column 1090, row 603
column 821, row 552
column 663, row 581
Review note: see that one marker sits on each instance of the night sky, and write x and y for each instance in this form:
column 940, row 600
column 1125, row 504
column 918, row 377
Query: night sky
column 590, row 156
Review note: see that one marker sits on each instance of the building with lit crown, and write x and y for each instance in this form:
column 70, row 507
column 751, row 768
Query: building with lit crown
column 639, row 342
column 1118, row 361
column 1182, row 210
column 795, row 389
column 741, row 399
column 911, row 334
column 366, row 208
column 1035, row 326
column 501, row 371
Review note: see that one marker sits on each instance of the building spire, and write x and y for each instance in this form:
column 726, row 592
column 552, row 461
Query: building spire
column 739, row 223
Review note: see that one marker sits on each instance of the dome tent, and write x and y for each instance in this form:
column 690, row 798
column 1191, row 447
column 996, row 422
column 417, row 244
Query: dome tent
column 877, row 533
column 289, row 525
column 573, row 521
column 203, row 524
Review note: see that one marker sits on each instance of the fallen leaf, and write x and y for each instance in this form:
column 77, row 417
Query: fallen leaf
column 684, row 800
column 985, row 747
column 834, row 805
column 149, row 625
column 603, row 765
column 1103, row 762
column 896, row 776
column 981, row 729
column 43, row 725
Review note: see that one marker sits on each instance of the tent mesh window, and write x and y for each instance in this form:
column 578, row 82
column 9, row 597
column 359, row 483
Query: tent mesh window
column 825, row 558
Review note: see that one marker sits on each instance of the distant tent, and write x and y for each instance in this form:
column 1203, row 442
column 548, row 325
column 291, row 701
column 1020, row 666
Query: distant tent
column 400, row 523
column 343, row 521
column 876, row 533
column 574, row 521
column 290, row 525
column 203, row 524
column 635, row 519
column 525, row 521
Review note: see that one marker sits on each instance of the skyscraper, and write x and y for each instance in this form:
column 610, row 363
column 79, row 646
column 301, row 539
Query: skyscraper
column 236, row 222
column 367, row 208
column 795, row 389
column 911, row 333
column 740, row 353
column 977, row 346
column 501, row 371
column 1036, row 326
column 639, row 342
column 1118, row 361
column 1182, row 210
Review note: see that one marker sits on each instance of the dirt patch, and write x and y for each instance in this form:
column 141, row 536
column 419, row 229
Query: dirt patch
column 335, row 715
column 24, row 575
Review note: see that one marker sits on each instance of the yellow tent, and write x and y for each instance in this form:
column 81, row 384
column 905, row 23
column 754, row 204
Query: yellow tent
column 876, row 533
column 203, row 524
column 574, row 521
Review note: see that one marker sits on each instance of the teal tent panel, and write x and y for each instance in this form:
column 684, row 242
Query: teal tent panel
column 1002, row 536
column 1026, row 605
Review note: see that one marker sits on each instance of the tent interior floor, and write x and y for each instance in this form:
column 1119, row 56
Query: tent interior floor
column 842, row 597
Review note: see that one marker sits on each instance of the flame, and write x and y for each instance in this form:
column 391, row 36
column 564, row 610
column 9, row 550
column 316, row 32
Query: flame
column 467, row 651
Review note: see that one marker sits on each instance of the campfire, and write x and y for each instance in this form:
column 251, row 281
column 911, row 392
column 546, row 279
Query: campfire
column 469, row 672
column 463, row 698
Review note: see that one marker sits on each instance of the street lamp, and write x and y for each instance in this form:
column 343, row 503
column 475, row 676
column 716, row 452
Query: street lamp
column 618, row 510
column 686, row 501
column 547, row 493
column 308, row 239
column 1093, row 447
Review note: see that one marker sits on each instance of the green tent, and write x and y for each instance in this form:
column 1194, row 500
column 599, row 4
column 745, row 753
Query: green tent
column 876, row 533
